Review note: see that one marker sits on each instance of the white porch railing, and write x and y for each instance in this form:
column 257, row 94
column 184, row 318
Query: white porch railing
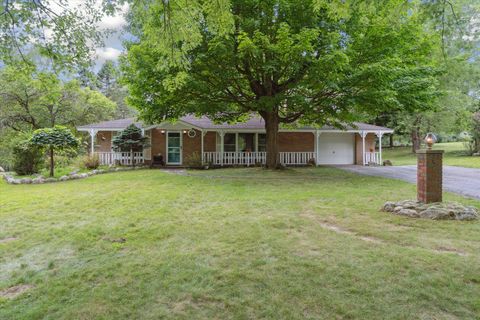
column 373, row 157
column 252, row 158
column 122, row 158
column 234, row 158
column 296, row 158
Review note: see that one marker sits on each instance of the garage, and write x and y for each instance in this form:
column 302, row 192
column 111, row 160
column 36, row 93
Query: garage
column 336, row 148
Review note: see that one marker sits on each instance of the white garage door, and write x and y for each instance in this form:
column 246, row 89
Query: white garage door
column 336, row 148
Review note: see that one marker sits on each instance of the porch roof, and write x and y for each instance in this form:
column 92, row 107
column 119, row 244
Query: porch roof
column 204, row 123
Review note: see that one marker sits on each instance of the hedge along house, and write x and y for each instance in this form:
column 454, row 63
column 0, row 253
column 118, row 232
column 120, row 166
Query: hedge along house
column 240, row 144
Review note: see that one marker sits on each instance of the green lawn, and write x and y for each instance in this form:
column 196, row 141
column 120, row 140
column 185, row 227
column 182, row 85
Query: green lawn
column 455, row 155
column 232, row 244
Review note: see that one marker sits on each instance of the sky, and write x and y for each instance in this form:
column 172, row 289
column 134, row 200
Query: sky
column 113, row 44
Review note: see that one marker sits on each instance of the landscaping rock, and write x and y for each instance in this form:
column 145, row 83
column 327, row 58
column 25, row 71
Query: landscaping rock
column 75, row 176
column 434, row 211
column 64, row 178
column 83, row 175
column 387, row 163
column 2, row 170
column 408, row 212
column 26, row 181
column 38, row 180
column 389, row 206
column 50, row 180
column 74, row 172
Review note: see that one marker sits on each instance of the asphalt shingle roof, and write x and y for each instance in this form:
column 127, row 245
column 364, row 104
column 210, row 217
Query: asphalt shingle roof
column 254, row 123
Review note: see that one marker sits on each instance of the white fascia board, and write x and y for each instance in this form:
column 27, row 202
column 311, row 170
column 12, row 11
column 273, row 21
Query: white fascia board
column 168, row 125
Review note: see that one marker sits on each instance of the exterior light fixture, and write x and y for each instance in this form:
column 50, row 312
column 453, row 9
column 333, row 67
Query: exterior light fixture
column 430, row 140
column 163, row 131
column 184, row 131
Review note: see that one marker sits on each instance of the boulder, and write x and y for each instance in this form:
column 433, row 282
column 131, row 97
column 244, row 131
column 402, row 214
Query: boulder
column 470, row 213
column 38, row 180
column 26, row 181
column 434, row 211
column 50, row 180
column 74, row 172
column 75, row 176
column 64, row 178
column 408, row 212
column 83, row 175
column 397, row 209
column 437, row 213
column 389, row 206
column 387, row 163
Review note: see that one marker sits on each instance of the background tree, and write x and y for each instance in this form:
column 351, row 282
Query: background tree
column 291, row 62
column 457, row 23
column 54, row 139
column 65, row 32
column 108, row 84
column 31, row 100
column 130, row 140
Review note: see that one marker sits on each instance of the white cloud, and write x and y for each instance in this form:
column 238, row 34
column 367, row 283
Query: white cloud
column 117, row 21
column 108, row 53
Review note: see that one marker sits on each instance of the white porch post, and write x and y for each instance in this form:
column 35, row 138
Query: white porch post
column 363, row 134
column 221, row 147
column 317, row 152
column 203, row 135
column 93, row 134
column 379, row 135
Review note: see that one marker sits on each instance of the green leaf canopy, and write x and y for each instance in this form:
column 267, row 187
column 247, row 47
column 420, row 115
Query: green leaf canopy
column 58, row 138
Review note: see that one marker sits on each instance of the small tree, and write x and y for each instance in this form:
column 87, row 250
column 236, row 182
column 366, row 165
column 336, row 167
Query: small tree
column 130, row 140
column 54, row 139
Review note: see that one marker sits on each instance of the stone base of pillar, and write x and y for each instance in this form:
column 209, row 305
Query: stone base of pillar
column 429, row 175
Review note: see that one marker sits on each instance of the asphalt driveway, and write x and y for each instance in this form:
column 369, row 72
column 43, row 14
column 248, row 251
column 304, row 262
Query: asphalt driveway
column 464, row 181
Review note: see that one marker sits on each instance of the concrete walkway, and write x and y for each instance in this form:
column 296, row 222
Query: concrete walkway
column 464, row 181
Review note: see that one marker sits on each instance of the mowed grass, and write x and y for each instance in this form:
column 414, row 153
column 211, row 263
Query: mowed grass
column 455, row 155
column 232, row 244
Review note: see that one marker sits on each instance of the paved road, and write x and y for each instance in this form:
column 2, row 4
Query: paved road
column 464, row 181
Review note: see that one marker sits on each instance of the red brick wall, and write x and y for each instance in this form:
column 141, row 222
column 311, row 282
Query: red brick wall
column 191, row 145
column 296, row 142
column 369, row 145
column 158, row 143
column 210, row 142
column 104, row 141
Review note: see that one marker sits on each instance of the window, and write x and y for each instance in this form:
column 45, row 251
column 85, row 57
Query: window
column 262, row 142
column 246, row 142
column 229, row 142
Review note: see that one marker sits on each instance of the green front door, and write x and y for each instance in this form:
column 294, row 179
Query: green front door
column 174, row 148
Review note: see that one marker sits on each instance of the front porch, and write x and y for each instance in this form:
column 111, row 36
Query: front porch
column 232, row 158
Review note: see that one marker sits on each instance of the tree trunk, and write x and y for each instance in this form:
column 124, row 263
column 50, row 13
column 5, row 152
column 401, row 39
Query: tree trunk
column 415, row 134
column 391, row 140
column 52, row 163
column 271, row 128
column 132, row 157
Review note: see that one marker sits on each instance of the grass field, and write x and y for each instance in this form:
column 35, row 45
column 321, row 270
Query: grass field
column 231, row 244
column 455, row 155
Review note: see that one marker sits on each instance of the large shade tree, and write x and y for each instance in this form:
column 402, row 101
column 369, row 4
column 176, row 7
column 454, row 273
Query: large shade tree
column 291, row 62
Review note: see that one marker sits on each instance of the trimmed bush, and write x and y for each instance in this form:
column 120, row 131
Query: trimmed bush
column 194, row 161
column 91, row 161
column 27, row 158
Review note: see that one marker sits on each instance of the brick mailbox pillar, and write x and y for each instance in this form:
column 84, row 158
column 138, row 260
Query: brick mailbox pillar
column 429, row 175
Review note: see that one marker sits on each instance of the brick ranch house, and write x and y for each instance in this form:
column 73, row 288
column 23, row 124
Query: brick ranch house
column 239, row 144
